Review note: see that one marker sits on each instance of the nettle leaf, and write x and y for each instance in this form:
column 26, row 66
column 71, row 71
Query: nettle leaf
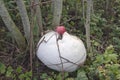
column 114, row 68
column 44, row 75
column 28, row 74
column 95, row 43
column 19, row 69
column 59, row 77
column 99, row 59
column 109, row 50
column 113, row 57
column 28, row 78
column 9, row 71
column 81, row 75
column 21, row 76
column 113, row 71
column 110, row 57
column 2, row 68
column 118, row 76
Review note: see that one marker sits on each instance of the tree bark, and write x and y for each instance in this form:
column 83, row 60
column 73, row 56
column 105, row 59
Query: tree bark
column 57, row 11
column 20, row 40
column 39, row 17
column 87, row 24
column 25, row 19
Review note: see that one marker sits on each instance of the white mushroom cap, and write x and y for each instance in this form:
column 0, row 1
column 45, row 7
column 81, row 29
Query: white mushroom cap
column 66, row 54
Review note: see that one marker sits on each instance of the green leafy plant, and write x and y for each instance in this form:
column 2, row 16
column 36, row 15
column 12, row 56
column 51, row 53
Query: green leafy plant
column 81, row 75
column 15, row 74
column 2, row 68
column 105, row 66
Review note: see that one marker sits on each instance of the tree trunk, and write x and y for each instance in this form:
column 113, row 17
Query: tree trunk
column 25, row 19
column 20, row 40
column 87, row 24
column 39, row 17
column 57, row 11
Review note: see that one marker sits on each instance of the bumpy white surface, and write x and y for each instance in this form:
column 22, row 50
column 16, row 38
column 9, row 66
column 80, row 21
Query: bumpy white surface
column 72, row 52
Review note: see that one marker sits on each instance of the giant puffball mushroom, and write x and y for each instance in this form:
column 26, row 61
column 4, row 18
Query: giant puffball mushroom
column 61, row 51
